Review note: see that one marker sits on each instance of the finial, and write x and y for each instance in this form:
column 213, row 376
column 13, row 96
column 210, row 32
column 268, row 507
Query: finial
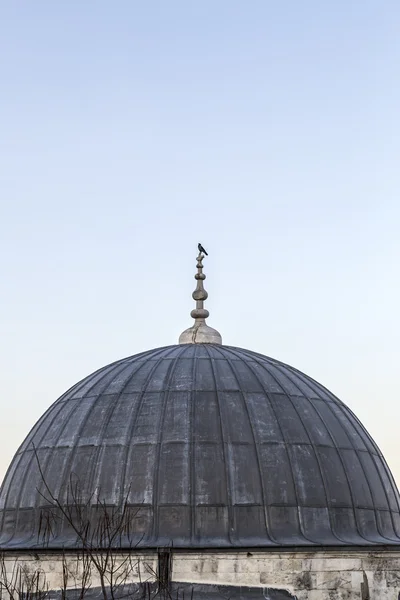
column 200, row 332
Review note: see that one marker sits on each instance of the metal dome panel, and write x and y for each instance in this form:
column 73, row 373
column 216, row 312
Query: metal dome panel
column 213, row 446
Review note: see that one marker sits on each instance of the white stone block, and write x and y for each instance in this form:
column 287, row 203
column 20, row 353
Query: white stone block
column 333, row 580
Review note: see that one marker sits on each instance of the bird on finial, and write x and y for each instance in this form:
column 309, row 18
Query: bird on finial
column 201, row 249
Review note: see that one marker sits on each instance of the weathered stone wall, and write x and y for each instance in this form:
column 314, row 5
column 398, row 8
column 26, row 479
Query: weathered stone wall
column 305, row 575
column 69, row 571
column 323, row 575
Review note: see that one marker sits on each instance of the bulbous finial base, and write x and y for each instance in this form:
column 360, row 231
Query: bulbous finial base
column 200, row 333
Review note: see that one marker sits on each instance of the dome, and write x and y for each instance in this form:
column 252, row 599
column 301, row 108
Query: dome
column 215, row 447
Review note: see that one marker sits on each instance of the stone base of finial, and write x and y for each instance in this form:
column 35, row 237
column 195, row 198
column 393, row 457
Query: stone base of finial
column 200, row 333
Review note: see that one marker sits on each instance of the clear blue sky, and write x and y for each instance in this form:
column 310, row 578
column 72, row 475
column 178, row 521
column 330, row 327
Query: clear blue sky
column 269, row 131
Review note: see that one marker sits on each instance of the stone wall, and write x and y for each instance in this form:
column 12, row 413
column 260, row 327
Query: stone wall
column 323, row 575
column 304, row 575
column 42, row 571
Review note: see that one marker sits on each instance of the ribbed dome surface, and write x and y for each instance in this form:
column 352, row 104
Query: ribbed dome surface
column 216, row 447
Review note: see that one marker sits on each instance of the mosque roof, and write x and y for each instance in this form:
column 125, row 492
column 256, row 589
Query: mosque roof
column 210, row 446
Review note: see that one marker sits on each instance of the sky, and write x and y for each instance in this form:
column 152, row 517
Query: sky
column 269, row 131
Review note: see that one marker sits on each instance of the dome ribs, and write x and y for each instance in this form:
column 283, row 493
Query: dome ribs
column 257, row 452
column 288, row 374
column 155, row 534
column 214, row 447
column 224, row 446
column 238, row 353
column 366, row 438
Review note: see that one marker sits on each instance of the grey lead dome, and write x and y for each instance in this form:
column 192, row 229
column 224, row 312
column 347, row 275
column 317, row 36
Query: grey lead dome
column 216, row 447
